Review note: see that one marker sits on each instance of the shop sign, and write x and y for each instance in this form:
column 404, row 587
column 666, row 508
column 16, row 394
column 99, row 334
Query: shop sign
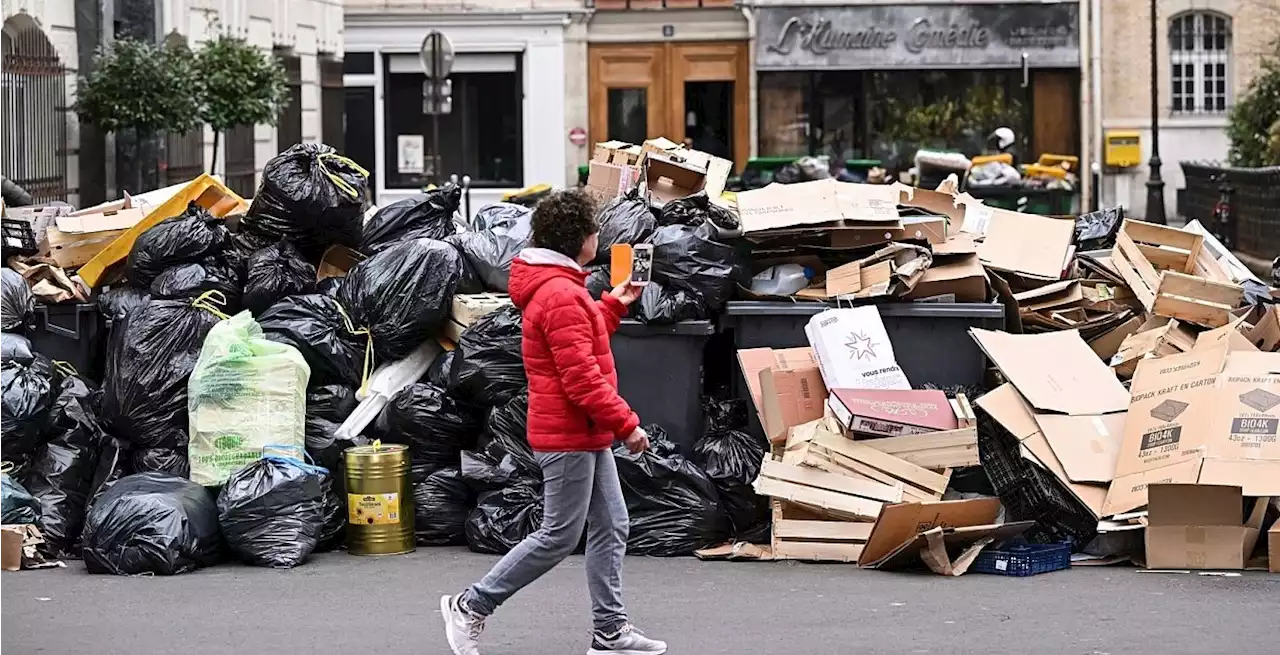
column 918, row 36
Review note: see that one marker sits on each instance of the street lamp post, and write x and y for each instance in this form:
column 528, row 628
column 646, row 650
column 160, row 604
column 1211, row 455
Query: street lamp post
column 1155, row 185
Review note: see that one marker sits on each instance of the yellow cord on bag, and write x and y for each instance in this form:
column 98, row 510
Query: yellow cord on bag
column 209, row 301
column 7, row 466
column 338, row 181
column 366, row 370
column 66, row 367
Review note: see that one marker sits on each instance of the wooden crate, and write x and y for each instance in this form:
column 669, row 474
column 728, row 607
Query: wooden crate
column 802, row 534
column 935, row 451
column 1173, row 275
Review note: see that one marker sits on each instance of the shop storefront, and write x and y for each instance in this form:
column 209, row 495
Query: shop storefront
column 881, row 82
column 505, row 127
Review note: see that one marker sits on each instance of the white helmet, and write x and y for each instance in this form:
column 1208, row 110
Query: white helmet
column 1003, row 137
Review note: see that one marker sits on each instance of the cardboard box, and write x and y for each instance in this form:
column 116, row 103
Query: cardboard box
column 11, row 538
column 786, row 387
column 667, row 178
column 853, row 350
column 616, row 152
column 879, row 413
column 960, row 276
column 1265, row 333
column 606, row 181
column 1273, row 547
column 908, row 533
column 1055, row 371
column 1194, row 526
column 1210, row 415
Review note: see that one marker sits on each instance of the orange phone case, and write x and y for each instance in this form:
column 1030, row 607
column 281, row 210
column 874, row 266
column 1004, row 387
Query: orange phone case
column 619, row 263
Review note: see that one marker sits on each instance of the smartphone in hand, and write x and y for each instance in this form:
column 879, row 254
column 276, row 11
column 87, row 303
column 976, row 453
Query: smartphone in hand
column 641, row 263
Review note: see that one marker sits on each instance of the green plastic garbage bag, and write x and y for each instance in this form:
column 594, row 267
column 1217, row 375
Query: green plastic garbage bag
column 246, row 394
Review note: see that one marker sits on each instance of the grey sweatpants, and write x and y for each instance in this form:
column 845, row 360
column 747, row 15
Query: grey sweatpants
column 579, row 489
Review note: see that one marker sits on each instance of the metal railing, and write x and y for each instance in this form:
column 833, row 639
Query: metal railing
column 1252, row 224
column 33, row 104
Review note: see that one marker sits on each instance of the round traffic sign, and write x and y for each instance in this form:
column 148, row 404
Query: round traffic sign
column 578, row 136
column 436, row 55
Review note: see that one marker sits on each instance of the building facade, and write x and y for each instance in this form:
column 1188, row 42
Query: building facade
column 507, row 127
column 47, row 43
column 1207, row 52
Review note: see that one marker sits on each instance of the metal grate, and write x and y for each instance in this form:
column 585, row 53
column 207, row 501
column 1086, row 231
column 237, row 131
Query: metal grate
column 33, row 104
column 1200, row 62
column 1254, row 228
column 240, row 161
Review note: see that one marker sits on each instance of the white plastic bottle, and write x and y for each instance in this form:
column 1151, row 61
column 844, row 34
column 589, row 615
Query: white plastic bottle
column 781, row 280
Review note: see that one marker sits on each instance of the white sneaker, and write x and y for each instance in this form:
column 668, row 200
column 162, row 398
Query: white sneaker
column 627, row 641
column 461, row 627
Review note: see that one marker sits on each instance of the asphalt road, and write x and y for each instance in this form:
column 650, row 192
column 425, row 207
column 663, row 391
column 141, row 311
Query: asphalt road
column 344, row 604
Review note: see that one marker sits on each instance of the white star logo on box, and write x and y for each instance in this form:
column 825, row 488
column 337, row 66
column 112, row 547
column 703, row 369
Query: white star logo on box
column 853, row 350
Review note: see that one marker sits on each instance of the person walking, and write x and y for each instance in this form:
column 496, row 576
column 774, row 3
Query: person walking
column 575, row 415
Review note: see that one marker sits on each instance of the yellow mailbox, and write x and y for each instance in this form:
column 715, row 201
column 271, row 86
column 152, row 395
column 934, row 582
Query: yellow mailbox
column 1123, row 148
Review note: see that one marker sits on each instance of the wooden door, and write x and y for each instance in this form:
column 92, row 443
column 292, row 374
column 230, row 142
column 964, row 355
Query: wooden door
column 626, row 94
column 1055, row 114
column 624, row 78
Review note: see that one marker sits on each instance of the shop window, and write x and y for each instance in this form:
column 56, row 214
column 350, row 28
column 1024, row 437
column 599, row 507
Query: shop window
column 1200, row 62
column 357, row 63
column 480, row 136
column 784, row 114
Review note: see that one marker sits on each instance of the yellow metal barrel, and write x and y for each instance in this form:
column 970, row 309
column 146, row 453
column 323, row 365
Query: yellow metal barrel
column 379, row 500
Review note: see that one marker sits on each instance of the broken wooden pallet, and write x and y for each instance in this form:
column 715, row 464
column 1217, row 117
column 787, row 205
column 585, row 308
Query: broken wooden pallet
column 918, row 483
column 833, row 494
column 802, row 534
column 936, row 450
column 467, row 309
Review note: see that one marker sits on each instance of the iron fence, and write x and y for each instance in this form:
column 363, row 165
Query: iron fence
column 1253, row 226
column 33, row 102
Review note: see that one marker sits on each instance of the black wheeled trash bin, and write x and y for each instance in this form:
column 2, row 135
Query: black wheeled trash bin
column 660, row 375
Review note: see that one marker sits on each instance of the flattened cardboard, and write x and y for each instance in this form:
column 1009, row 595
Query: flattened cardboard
column 753, row 361
column 779, row 206
column 1086, row 446
column 1028, row 245
column 1108, row 343
column 1198, row 526
column 1012, row 412
column 1055, row 371
column 106, row 221
column 938, row 202
column 930, row 229
column 11, row 537
column 899, row 535
column 1066, row 293
column 1273, row 547
column 1265, row 334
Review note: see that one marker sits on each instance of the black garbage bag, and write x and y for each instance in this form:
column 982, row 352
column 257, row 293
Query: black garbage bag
column 317, row 326
column 598, row 282
column 271, row 512
column 161, row 460
column 488, row 251
column 152, row 523
column 721, row 413
column 333, row 525
column 329, row 286
column 1098, row 230
column 487, row 366
column 695, row 210
column 434, row 426
column 29, row 391
column 732, row 459
column 183, row 239
column 15, row 347
column 120, row 300
column 61, row 475
column 501, row 519
column 441, row 503
column 403, row 294
column 624, row 219
column 188, row 281
column 16, row 301
column 506, row 437
column 327, row 407
column 113, row 464
column 18, row 505
column 276, row 272
column 429, row 216
column 693, row 275
column 675, row 508
column 441, row 367
column 153, row 351
column 313, row 196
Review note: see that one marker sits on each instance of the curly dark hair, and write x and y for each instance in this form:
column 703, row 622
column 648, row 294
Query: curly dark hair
column 563, row 221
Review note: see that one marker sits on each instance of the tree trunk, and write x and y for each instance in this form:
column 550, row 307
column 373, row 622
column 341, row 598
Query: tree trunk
column 213, row 163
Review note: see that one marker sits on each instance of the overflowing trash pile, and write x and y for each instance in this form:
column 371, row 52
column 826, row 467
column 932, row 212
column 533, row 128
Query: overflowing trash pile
column 1121, row 373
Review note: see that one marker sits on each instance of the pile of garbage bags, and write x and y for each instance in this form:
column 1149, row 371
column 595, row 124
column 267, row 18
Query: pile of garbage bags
column 429, row 216
column 499, row 232
column 731, row 457
column 487, row 368
column 314, row 197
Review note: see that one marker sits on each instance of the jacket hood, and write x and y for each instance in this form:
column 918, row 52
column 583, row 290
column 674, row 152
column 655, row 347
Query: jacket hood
column 534, row 267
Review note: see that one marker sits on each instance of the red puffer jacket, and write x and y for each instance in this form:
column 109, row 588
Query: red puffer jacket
column 573, row 386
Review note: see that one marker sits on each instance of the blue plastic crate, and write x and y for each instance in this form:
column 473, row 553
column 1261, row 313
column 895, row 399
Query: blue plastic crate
column 1024, row 559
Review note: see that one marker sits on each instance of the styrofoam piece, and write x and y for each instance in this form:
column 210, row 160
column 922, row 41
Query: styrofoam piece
column 384, row 384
